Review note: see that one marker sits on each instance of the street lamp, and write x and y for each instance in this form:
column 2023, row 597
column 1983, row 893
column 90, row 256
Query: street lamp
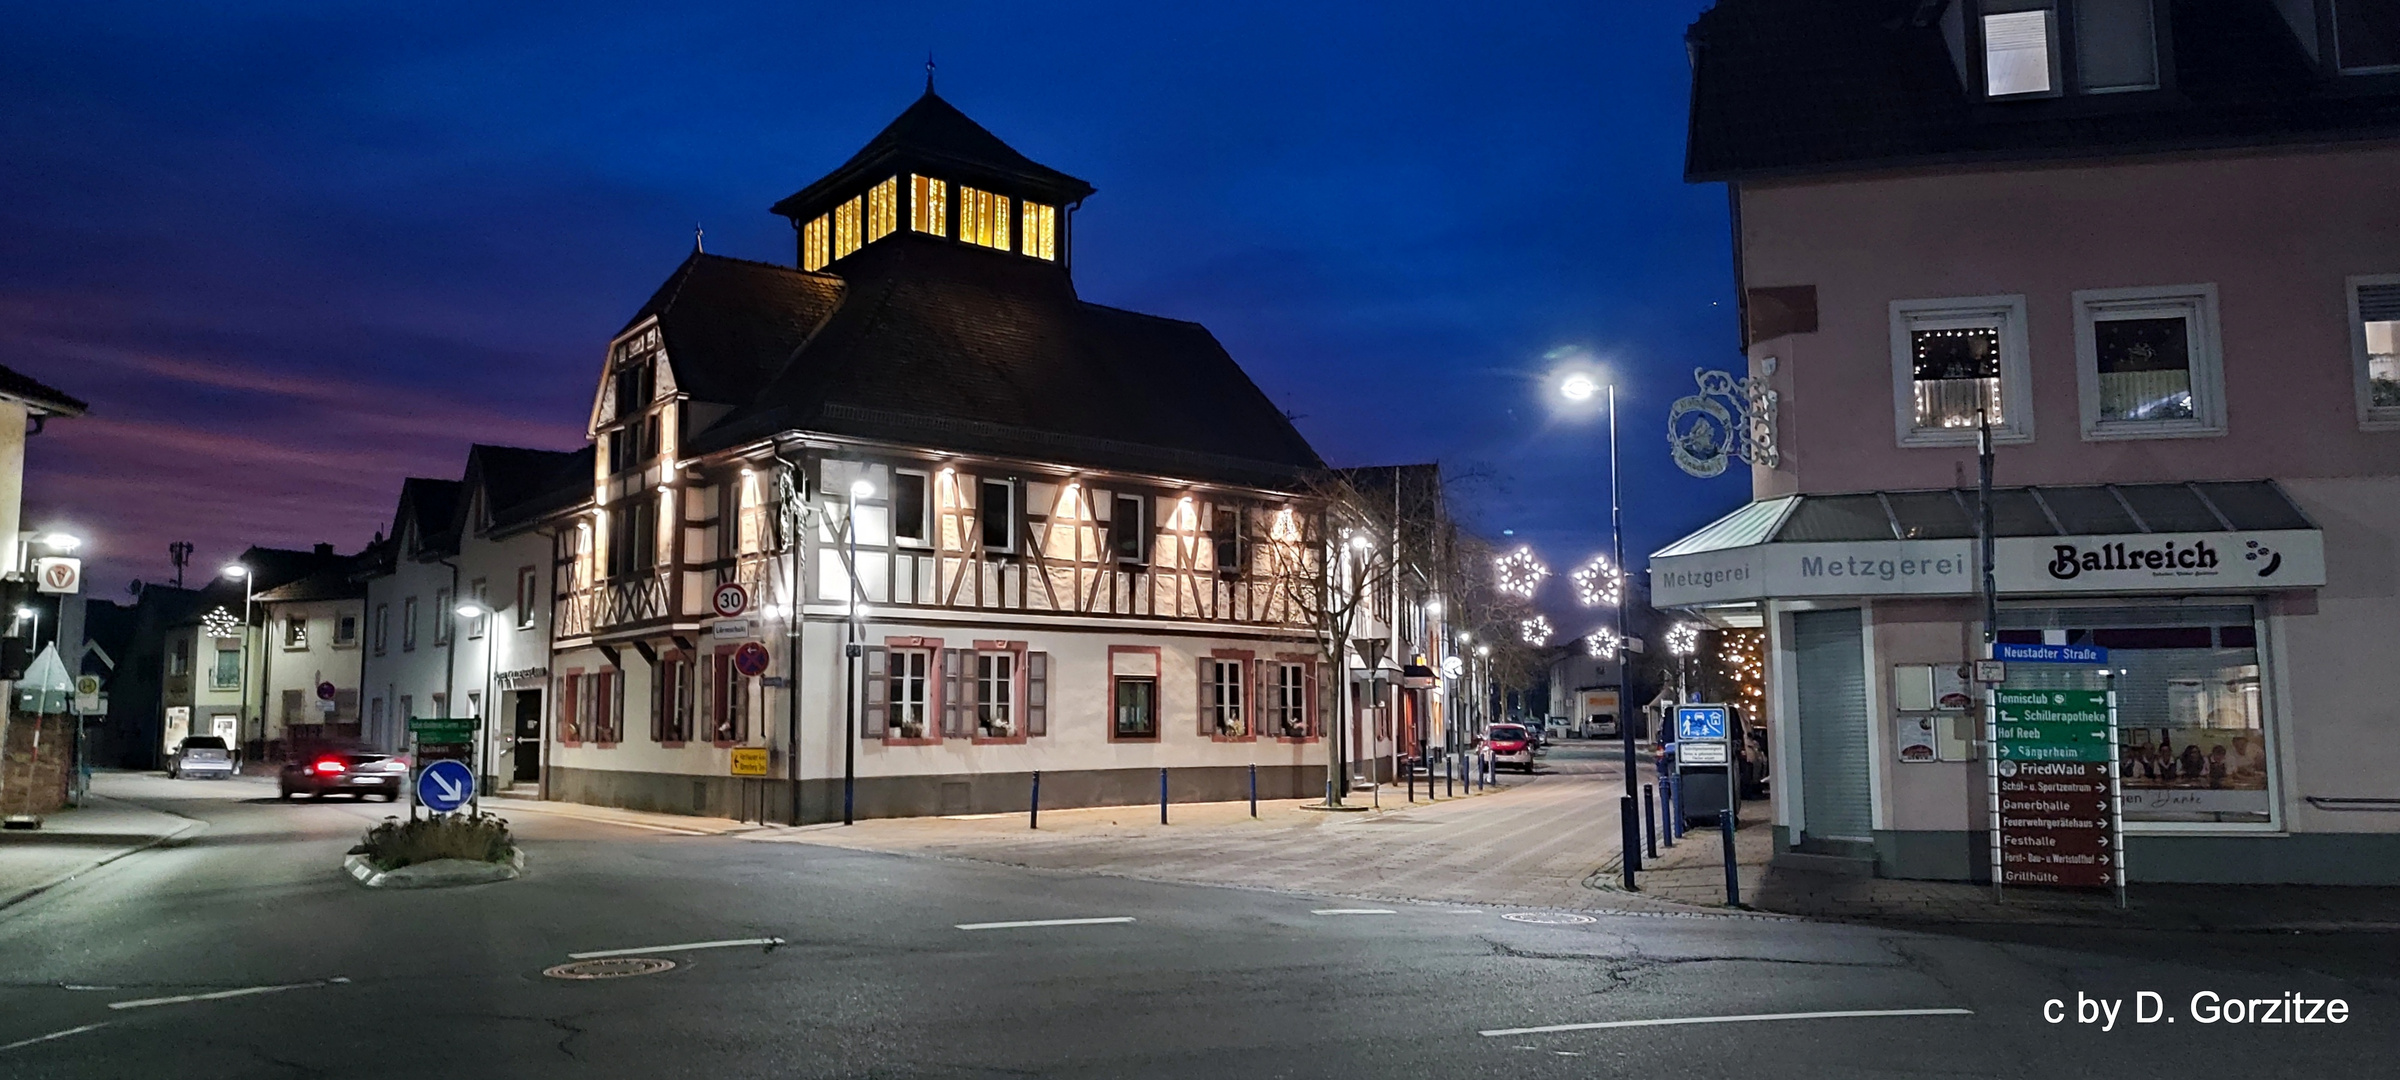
column 1578, row 388
column 859, row 489
column 59, row 541
column 472, row 610
column 242, row 691
column 33, row 639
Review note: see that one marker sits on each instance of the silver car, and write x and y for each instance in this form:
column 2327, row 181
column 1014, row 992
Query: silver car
column 200, row 755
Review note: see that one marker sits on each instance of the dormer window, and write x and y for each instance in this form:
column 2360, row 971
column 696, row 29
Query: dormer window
column 2018, row 47
column 983, row 218
column 883, row 209
column 816, row 243
column 1040, row 234
column 2366, row 36
column 929, row 206
column 2116, row 46
column 846, row 228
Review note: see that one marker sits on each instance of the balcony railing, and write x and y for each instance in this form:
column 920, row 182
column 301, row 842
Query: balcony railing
column 611, row 604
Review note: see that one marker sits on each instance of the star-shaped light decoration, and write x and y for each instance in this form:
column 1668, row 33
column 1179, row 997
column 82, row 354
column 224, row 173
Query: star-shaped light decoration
column 1521, row 573
column 1599, row 584
column 1683, row 640
column 1536, row 631
column 1600, row 644
column 220, row 623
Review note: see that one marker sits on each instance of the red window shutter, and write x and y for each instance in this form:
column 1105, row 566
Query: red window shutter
column 873, row 726
column 603, row 726
column 567, row 730
column 1037, row 693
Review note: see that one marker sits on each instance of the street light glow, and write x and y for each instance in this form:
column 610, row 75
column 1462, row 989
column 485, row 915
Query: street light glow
column 59, row 541
column 1578, row 387
column 24, row 612
column 860, row 489
column 235, row 570
column 472, row 611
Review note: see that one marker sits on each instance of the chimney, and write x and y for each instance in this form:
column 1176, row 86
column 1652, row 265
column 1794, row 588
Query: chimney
column 324, row 549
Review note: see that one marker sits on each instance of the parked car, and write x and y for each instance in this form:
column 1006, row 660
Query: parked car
column 356, row 774
column 200, row 755
column 1511, row 744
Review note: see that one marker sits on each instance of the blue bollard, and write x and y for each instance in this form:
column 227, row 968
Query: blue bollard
column 1033, row 811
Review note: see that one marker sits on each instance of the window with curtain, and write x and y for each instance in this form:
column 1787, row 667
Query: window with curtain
column 2377, row 303
column 929, row 206
column 816, row 243
column 1040, row 231
column 1221, row 689
column 996, row 694
column 883, row 209
column 907, row 698
column 983, row 218
column 1291, row 700
column 846, row 226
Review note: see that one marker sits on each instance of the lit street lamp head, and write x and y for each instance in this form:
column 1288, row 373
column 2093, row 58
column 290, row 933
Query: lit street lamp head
column 59, row 541
column 860, row 489
column 24, row 612
column 1578, row 387
column 472, row 611
column 235, row 570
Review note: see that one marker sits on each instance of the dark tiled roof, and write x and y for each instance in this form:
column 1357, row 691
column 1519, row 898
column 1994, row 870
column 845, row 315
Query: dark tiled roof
column 729, row 324
column 969, row 350
column 933, row 134
column 1789, row 87
column 271, row 570
column 521, row 485
column 43, row 397
column 332, row 582
column 433, row 506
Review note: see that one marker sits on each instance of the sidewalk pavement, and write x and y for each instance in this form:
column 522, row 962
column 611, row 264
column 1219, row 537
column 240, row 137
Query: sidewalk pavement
column 81, row 839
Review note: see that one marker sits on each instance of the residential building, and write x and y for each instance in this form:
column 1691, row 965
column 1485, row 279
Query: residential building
column 2153, row 245
column 221, row 656
column 916, row 489
column 483, row 542
column 310, row 657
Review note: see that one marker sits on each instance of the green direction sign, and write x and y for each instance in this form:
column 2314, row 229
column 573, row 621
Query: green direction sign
column 2051, row 725
column 442, row 729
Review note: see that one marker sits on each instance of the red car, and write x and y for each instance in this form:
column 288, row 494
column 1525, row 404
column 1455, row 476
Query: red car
column 1511, row 744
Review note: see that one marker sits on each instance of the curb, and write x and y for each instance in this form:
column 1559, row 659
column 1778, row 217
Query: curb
column 190, row 825
column 440, row 873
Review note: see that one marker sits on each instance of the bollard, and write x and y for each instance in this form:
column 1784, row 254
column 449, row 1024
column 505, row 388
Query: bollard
column 1253, row 789
column 1449, row 775
column 1629, row 838
column 1409, row 769
column 1666, row 809
column 1162, row 796
column 1733, row 872
column 1649, row 824
column 1033, row 810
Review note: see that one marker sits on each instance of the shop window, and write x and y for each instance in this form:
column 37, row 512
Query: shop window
column 2194, row 733
column 929, row 206
column 1955, row 362
column 2375, row 345
column 2147, row 362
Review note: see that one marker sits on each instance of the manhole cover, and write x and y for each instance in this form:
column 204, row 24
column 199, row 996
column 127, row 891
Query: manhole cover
column 612, row 968
column 1548, row 918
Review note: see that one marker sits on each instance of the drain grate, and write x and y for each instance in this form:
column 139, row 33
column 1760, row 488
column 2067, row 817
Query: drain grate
column 1548, row 918
column 615, row 967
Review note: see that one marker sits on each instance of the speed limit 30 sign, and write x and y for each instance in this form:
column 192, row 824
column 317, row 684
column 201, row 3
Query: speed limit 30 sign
column 731, row 600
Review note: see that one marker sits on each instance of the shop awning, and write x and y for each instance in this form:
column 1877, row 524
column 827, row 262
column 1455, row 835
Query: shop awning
column 2213, row 537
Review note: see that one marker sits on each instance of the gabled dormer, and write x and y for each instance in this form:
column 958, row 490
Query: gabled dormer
column 935, row 175
column 2009, row 50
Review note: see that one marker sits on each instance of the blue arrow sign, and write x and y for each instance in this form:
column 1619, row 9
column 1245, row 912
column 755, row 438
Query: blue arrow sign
column 1699, row 722
column 445, row 786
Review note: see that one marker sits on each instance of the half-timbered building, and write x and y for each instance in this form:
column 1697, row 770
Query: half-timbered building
column 913, row 511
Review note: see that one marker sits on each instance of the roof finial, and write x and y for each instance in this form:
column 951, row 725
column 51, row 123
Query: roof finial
column 697, row 234
column 929, row 71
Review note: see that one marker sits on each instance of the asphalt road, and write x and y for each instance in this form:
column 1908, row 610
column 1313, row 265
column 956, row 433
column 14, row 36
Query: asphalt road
column 876, row 978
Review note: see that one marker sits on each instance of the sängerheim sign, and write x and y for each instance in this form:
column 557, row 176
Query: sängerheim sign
column 2025, row 565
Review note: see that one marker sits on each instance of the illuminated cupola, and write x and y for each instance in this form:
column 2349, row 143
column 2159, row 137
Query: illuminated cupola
column 935, row 175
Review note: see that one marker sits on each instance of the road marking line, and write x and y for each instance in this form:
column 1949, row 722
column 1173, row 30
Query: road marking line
column 220, row 995
column 1354, row 911
column 1838, row 1015
column 55, row 1035
column 1043, row 922
column 729, row 943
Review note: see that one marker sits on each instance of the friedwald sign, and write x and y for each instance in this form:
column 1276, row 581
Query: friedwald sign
column 2056, row 818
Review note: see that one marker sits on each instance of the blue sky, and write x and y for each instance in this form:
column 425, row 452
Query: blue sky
column 292, row 253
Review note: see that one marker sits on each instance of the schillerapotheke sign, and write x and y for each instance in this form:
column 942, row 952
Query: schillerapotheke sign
column 2023, row 565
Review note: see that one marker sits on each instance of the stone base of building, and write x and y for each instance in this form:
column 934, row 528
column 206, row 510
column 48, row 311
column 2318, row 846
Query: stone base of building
column 925, row 795
column 2289, row 859
column 37, row 758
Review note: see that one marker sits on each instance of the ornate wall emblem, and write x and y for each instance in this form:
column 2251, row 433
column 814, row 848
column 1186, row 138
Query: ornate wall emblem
column 1729, row 418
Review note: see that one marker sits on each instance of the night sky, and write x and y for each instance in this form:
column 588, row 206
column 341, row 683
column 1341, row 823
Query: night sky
column 294, row 253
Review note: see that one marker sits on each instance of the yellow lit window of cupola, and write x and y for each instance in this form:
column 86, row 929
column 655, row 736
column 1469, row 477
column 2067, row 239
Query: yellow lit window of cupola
column 845, row 228
column 816, row 243
column 883, row 209
column 1041, row 231
column 983, row 218
column 929, row 205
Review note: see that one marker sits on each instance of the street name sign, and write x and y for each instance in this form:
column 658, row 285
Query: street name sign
column 2057, row 815
column 445, row 786
column 2050, row 654
column 749, row 761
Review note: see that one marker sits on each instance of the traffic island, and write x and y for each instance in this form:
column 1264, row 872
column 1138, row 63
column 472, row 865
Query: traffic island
column 436, row 851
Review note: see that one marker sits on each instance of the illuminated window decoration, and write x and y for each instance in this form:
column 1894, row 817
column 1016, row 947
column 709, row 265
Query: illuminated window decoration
column 1954, row 375
column 1600, row 644
column 929, row 205
column 220, row 624
column 982, row 218
column 816, row 243
column 1041, row 231
column 1683, row 640
column 845, row 228
column 1598, row 583
column 1535, row 631
column 1521, row 573
column 883, row 209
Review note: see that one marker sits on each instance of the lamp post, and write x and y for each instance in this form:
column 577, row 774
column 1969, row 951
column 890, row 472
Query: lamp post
column 242, row 692
column 859, row 489
column 1578, row 388
column 471, row 611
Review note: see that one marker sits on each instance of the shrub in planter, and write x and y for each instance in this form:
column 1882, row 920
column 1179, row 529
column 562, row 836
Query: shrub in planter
column 475, row 837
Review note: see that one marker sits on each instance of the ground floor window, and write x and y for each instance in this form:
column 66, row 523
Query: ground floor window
column 2191, row 702
column 906, row 697
column 671, row 700
column 1136, row 705
column 995, row 694
column 729, row 698
column 1291, row 701
column 1221, row 699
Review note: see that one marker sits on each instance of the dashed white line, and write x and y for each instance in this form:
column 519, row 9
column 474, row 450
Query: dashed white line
column 1675, row 1020
column 220, row 995
column 729, row 943
column 1044, row 922
column 1354, row 911
column 54, row 1035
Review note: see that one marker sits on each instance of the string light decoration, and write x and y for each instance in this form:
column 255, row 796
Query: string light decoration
column 1520, row 573
column 1683, row 639
column 1741, row 661
column 1600, row 644
column 1536, row 631
column 1599, row 584
column 220, row 623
